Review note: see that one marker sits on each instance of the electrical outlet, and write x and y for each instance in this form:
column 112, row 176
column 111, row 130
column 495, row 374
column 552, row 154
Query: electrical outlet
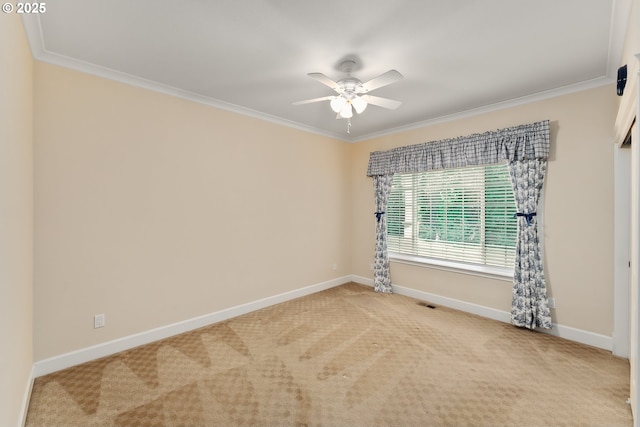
column 98, row 321
column 552, row 303
column 334, row 267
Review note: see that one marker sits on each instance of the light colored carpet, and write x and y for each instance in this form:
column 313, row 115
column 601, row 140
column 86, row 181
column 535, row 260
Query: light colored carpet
column 344, row 357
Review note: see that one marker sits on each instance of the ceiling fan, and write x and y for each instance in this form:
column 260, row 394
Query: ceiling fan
column 353, row 94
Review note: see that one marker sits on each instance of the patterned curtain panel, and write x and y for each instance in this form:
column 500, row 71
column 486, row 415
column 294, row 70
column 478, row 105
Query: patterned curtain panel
column 529, row 306
column 381, row 276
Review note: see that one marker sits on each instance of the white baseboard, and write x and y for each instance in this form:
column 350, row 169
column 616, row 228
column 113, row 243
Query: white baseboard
column 57, row 363
column 584, row 337
column 566, row 332
column 26, row 398
column 47, row 366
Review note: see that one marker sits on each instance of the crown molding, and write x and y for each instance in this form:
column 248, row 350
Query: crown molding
column 39, row 52
column 619, row 16
column 540, row 96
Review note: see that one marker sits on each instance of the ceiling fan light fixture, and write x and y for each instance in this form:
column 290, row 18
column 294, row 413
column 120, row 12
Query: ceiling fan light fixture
column 359, row 104
column 338, row 103
column 346, row 112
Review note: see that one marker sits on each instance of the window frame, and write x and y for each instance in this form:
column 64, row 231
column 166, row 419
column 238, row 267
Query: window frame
column 489, row 271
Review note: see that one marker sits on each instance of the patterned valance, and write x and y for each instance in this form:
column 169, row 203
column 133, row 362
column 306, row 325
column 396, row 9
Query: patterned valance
column 525, row 142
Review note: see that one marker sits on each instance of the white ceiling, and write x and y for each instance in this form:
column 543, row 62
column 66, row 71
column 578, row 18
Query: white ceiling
column 252, row 56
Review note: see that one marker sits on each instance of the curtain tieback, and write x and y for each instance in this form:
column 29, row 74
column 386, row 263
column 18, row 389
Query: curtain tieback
column 379, row 215
column 527, row 216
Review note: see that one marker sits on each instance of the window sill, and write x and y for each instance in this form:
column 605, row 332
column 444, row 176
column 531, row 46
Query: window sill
column 498, row 273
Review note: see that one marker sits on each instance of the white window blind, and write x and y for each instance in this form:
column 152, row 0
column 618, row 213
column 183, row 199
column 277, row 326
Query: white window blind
column 464, row 214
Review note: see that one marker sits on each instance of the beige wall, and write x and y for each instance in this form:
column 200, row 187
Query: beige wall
column 16, row 218
column 153, row 210
column 578, row 209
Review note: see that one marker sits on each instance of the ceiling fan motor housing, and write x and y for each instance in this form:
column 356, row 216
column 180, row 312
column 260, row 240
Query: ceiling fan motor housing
column 351, row 85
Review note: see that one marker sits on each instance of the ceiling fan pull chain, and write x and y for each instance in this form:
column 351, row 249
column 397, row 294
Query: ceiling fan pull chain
column 349, row 126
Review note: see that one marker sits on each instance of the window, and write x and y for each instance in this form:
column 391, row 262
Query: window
column 463, row 215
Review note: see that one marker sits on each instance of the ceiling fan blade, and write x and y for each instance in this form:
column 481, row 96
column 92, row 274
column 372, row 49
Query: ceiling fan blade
column 325, row 81
column 387, row 78
column 309, row 101
column 391, row 104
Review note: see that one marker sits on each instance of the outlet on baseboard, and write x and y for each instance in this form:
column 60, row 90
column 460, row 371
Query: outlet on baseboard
column 98, row 321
